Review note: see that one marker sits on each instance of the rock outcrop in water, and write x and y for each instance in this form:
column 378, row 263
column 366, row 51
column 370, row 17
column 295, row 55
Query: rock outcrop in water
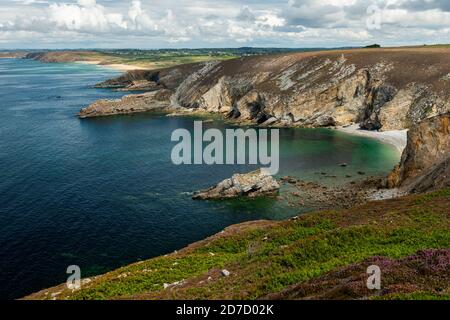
column 254, row 184
column 381, row 89
column 425, row 161
column 150, row 101
column 160, row 84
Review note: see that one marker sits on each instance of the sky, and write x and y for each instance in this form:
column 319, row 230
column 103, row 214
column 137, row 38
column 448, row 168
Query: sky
column 149, row 24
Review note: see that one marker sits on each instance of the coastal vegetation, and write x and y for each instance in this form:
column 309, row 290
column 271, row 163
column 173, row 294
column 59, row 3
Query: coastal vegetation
column 292, row 259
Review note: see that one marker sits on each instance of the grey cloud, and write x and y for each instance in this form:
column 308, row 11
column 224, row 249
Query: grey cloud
column 421, row 5
column 310, row 13
column 297, row 23
column 246, row 15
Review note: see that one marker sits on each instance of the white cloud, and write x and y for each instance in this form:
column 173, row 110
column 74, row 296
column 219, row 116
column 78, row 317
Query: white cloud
column 159, row 23
column 86, row 16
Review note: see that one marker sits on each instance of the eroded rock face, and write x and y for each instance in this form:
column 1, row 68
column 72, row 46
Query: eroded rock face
column 150, row 101
column 141, row 85
column 425, row 161
column 253, row 184
column 380, row 89
column 321, row 89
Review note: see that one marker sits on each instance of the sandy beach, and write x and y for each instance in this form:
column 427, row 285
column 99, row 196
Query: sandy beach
column 124, row 67
column 396, row 138
column 116, row 66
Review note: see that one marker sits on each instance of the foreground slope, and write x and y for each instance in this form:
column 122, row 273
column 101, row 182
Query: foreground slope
column 300, row 258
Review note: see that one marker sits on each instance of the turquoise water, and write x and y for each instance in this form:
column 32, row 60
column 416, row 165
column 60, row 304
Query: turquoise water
column 102, row 193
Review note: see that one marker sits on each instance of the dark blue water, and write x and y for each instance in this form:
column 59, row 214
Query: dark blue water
column 102, row 193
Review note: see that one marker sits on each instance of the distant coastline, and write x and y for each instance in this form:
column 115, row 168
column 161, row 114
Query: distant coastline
column 116, row 66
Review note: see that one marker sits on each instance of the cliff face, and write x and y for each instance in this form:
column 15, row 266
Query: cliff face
column 380, row 89
column 425, row 161
column 169, row 78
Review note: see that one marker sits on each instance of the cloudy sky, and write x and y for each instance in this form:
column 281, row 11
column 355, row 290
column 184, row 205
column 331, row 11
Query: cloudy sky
column 221, row 23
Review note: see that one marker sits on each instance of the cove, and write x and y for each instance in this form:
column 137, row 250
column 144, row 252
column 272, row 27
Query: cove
column 240, row 145
column 102, row 193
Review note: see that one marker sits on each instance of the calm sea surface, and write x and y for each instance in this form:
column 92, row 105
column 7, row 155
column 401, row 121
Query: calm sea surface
column 102, row 193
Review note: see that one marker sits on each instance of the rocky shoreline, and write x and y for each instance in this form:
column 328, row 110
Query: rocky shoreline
column 299, row 193
column 374, row 89
column 364, row 92
column 316, row 196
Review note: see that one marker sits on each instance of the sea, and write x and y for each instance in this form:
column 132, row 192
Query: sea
column 102, row 193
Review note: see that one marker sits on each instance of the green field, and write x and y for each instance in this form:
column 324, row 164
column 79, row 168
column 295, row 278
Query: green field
column 158, row 59
column 147, row 59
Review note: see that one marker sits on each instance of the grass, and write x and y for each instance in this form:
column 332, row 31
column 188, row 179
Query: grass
column 160, row 61
column 145, row 59
column 162, row 58
column 265, row 258
column 151, row 276
column 414, row 296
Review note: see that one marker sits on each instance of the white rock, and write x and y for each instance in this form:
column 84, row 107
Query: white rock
column 226, row 273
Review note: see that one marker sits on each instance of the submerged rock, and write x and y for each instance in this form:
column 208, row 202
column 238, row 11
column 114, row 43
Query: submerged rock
column 253, row 184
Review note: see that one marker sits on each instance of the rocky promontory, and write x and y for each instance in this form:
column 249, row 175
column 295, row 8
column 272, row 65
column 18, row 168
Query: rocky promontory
column 135, row 103
column 254, row 184
column 425, row 161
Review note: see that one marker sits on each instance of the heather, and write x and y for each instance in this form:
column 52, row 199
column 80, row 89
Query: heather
column 322, row 255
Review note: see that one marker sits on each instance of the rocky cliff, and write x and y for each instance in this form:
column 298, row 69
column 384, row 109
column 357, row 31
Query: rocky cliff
column 425, row 161
column 381, row 89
